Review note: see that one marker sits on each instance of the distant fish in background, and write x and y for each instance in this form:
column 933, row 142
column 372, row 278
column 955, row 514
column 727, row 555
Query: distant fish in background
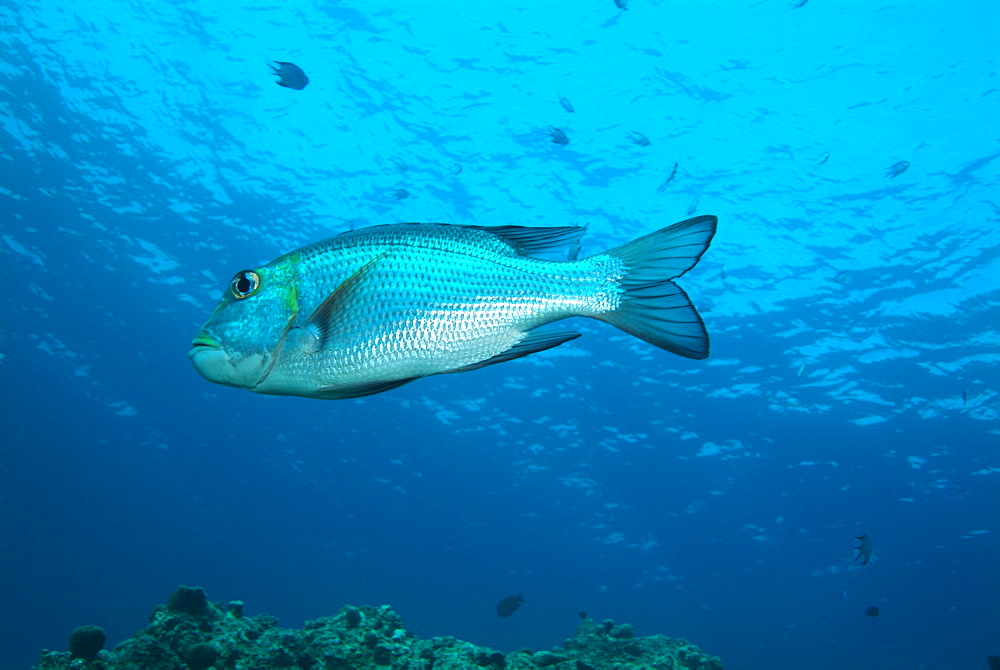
column 621, row 4
column 566, row 104
column 897, row 169
column 399, row 163
column 558, row 136
column 666, row 182
column 864, row 549
column 693, row 207
column 638, row 138
column 823, row 159
column 509, row 605
column 290, row 75
column 871, row 612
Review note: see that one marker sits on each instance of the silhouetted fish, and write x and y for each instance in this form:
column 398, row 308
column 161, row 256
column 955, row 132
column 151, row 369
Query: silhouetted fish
column 558, row 136
column 638, row 138
column 865, row 549
column 897, row 169
column 673, row 173
column 566, row 104
column 290, row 75
column 871, row 611
column 508, row 606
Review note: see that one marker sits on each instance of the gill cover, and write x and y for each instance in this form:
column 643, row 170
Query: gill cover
column 241, row 342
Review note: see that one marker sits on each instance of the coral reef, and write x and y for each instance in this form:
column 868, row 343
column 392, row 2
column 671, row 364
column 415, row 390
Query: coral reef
column 190, row 633
column 86, row 642
column 188, row 600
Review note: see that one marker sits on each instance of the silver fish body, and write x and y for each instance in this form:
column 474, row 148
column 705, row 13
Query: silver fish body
column 375, row 308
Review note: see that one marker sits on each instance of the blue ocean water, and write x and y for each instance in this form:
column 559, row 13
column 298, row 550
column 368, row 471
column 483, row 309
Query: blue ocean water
column 147, row 155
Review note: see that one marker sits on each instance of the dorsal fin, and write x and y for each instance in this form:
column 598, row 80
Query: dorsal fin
column 528, row 240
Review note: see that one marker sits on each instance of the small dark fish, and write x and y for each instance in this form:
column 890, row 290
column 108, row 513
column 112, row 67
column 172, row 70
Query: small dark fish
column 673, row 173
column 823, row 159
column 842, row 277
column 401, row 194
column 638, row 138
column 457, row 168
column 621, row 4
column 694, row 204
column 566, row 104
column 558, row 136
column 509, row 605
column 993, row 662
column 582, row 614
column 897, row 169
column 871, row 611
column 965, row 397
column 864, row 549
column 290, row 75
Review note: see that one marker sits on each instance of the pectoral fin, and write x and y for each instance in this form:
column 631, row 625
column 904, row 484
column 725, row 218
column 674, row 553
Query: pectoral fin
column 323, row 320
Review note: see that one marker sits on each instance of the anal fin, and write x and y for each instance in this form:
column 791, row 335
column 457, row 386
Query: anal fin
column 360, row 390
column 533, row 342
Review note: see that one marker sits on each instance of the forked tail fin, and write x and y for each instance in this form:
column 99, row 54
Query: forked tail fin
column 653, row 308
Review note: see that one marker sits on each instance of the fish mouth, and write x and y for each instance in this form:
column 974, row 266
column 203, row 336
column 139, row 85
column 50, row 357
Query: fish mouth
column 210, row 359
column 203, row 341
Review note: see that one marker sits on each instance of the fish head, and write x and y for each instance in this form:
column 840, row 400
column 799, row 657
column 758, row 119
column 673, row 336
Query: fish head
column 242, row 339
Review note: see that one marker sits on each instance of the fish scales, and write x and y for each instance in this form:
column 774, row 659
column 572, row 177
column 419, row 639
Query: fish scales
column 493, row 295
column 374, row 308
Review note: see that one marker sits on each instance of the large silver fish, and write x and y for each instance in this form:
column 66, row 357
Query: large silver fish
column 372, row 309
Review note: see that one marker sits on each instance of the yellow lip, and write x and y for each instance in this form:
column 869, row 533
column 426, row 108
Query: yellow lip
column 202, row 341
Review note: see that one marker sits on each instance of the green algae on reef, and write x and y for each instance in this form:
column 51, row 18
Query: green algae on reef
column 183, row 637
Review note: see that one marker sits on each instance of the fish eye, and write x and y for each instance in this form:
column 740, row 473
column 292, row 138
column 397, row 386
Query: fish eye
column 244, row 284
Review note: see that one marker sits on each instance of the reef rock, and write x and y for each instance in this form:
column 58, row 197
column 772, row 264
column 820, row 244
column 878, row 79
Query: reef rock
column 359, row 638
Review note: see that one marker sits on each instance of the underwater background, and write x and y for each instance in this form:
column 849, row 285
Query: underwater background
column 852, row 154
